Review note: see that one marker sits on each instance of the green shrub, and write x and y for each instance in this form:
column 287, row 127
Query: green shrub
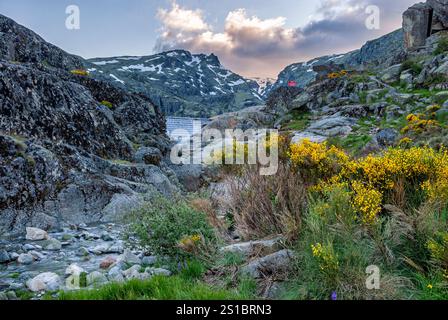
column 172, row 228
column 442, row 46
column 415, row 67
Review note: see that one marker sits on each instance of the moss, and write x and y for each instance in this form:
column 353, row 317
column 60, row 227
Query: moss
column 107, row 104
column 80, row 72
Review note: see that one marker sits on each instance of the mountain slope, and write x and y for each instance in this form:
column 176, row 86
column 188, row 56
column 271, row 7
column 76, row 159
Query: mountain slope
column 182, row 83
column 378, row 53
column 66, row 156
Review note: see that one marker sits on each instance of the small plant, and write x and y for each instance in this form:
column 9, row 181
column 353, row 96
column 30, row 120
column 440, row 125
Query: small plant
column 107, row 104
column 80, row 72
column 172, row 228
column 415, row 67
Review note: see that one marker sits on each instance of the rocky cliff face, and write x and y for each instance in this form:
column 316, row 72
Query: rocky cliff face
column 182, row 83
column 423, row 20
column 65, row 154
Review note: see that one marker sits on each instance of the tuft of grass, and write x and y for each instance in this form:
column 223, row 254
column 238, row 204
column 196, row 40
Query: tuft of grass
column 157, row 288
column 442, row 46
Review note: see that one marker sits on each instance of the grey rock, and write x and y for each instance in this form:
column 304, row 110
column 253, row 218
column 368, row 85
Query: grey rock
column 47, row 281
column 129, row 258
column 391, row 74
column 251, row 247
column 416, row 21
column 74, row 270
column 440, row 8
column 105, row 236
column 25, row 259
column 148, row 155
column 4, row 256
column 272, row 264
column 52, row 245
column 3, row 296
column 37, row 255
column 387, row 137
column 36, row 234
column 149, row 260
column 82, row 252
column 158, row 272
column 96, row 278
column 115, row 274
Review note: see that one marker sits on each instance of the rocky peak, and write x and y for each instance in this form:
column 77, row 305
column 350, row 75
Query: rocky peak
column 183, row 83
column 19, row 44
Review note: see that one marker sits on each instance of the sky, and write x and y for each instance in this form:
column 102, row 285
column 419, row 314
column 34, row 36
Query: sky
column 255, row 38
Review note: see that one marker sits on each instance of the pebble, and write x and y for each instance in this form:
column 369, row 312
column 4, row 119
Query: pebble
column 25, row 259
column 35, row 234
column 107, row 262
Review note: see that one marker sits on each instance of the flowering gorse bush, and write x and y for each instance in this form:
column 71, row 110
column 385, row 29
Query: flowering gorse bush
column 373, row 179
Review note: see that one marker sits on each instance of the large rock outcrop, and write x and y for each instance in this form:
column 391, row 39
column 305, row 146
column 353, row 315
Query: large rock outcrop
column 423, row 20
column 67, row 141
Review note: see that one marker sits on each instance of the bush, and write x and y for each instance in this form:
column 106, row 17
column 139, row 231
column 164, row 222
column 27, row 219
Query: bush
column 442, row 46
column 415, row 67
column 264, row 206
column 172, row 228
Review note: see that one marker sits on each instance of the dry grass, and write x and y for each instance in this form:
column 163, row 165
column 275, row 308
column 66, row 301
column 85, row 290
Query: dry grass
column 264, row 206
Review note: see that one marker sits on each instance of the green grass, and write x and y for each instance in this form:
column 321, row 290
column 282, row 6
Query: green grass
column 300, row 121
column 158, row 288
column 353, row 143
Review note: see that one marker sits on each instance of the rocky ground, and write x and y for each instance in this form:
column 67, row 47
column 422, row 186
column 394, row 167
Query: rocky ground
column 40, row 262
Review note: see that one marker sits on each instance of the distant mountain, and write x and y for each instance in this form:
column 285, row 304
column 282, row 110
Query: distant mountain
column 264, row 85
column 378, row 53
column 181, row 83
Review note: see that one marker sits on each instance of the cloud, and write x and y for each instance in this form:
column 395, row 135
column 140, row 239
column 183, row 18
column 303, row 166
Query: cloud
column 262, row 47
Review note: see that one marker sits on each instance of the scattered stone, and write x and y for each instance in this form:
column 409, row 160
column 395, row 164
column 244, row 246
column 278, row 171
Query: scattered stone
column 105, row 236
column 13, row 256
column 47, row 281
column 254, row 247
column 25, row 259
column 82, row 252
column 74, row 270
column 37, row 255
column 272, row 264
column 149, row 260
column 115, row 274
column 129, row 258
column 36, row 234
column 3, row 296
column 107, row 262
column 67, row 237
column 134, row 273
column 29, row 247
column 96, row 278
column 387, row 137
column 4, row 256
column 52, row 245
column 158, row 272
